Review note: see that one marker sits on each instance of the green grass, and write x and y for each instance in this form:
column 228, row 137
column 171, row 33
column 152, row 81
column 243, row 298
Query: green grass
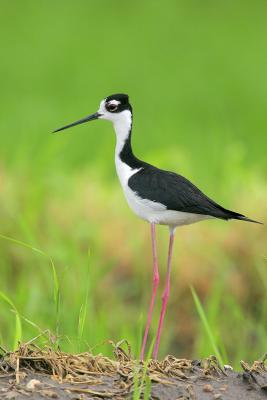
column 142, row 384
column 83, row 312
column 17, row 328
column 197, row 80
column 207, row 328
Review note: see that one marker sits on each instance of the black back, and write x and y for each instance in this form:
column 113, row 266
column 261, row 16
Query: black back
column 175, row 192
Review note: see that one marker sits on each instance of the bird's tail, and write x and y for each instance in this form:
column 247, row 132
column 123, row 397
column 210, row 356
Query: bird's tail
column 244, row 218
column 226, row 214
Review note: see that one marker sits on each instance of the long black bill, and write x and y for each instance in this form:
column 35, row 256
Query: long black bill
column 80, row 121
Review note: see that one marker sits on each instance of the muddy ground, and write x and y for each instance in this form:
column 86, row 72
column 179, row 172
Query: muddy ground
column 34, row 373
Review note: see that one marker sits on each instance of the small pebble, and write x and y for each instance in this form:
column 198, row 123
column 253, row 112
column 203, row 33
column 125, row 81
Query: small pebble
column 31, row 385
column 217, row 396
column 207, row 388
column 49, row 393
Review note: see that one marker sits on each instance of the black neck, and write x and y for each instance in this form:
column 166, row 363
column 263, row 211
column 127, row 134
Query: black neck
column 126, row 154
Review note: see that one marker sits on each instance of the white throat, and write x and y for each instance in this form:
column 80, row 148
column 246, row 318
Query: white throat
column 122, row 123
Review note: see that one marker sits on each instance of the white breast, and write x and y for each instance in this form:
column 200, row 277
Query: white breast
column 149, row 210
column 141, row 207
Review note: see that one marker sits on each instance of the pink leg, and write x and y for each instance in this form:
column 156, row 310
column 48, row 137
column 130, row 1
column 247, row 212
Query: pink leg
column 155, row 286
column 165, row 296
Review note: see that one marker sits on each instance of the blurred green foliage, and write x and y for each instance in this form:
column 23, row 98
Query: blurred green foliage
column 196, row 76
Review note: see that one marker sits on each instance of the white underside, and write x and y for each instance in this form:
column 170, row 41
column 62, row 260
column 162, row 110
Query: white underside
column 148, row 210
column 156, row 212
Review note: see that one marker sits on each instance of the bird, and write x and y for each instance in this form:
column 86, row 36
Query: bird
column 157, row 196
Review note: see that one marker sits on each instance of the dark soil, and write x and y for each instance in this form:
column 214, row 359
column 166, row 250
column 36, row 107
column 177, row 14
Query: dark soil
column 34, row 373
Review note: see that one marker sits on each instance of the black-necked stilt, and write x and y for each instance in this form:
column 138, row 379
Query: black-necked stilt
column 157, row 196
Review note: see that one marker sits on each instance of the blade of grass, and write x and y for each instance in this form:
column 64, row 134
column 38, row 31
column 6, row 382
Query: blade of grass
column 20, row 243
column 144, row 378
column 56, row 290
column 82, row 319
column 213, row 308
column 84, row 307
column 147, row 389
column 56, row 296
column 206, row 325
column 18, row 325
column 139, row 335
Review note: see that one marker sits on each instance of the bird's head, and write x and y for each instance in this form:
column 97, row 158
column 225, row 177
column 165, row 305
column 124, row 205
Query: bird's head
column 115, row 108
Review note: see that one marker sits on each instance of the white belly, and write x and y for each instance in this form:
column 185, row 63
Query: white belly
column 148, row 210
column 156, row 212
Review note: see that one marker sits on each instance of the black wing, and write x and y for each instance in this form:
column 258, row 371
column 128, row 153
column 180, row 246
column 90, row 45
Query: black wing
column 176, row 193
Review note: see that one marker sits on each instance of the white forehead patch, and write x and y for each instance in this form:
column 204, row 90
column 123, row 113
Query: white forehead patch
column 102, row 108
column 115, row 102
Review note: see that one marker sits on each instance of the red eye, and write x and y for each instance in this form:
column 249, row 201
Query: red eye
column 112, row 107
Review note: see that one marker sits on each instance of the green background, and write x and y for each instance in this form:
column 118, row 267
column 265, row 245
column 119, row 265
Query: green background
column 196, row 76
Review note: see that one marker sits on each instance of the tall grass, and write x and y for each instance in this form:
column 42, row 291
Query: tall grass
column 84, row 309
column 207, row 327
column 56, row 297
column 17, row 331
column 142, row 385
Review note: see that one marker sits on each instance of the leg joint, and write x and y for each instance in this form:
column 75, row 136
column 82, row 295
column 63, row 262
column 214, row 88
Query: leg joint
column 156, row 280
column 166, row 294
